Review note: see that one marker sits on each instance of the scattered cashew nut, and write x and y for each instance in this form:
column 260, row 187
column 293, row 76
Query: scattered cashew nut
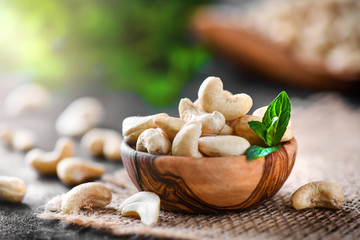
column 145, row 205
column 212, row 99
column 91, row 194
column 19, row 139
column 170, row 125
column 103, row 142
column 132, row 127
column 153, row 141
column 80, row 116
column 73, row 171
column 220, row 146
column 318, row 194
column 26, row 97
column 212, row 123
column 46, row 162
column 186, row 141
column 12, row 189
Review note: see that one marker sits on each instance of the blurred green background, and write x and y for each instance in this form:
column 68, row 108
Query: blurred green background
column 139, row 45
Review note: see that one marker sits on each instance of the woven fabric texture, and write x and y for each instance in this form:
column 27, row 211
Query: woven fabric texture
column 328, row 135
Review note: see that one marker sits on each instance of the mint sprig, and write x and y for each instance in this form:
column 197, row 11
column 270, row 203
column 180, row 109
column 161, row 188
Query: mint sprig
column 272, row 127
column 255, row 151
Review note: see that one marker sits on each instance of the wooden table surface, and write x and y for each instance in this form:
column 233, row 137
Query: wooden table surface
column 19, row 221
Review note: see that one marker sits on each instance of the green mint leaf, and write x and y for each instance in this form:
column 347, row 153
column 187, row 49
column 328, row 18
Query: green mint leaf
column 255, row 151
column 258, row 128
column 270, row 135
column 271, row 132
column 276, row 119
column 274, row 122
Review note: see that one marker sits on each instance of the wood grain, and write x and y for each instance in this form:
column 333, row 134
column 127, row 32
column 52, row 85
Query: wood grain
column 254, row 51
column 207, row 185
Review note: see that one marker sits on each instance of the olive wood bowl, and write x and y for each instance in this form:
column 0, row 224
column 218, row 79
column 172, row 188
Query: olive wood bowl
column 209, row 184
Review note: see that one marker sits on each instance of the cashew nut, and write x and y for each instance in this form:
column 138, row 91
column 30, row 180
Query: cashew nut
column 197, row 103
column 186, row 141
column 243, row 129
column 93, row 141
column 212, row 123
column 227, row 130
column 23, row 140
column 318, row 194
column 288, row 134
column 260, row 111
column 170, row 125
column 220, row 146
column 212, row 98
column 153, row 141
column 80, row 116
column 12, row 189
column 132, row 127
column 73, row 171
column 46, row 162
column 226, row 94
column 26, row 97
column 145, row 205
column 91, row 194
column 6, row 135
column 112, row 145
column 103, row 142
column 19, row 139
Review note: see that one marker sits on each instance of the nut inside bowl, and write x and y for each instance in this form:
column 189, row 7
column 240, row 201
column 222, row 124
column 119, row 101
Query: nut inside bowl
column 209, row 184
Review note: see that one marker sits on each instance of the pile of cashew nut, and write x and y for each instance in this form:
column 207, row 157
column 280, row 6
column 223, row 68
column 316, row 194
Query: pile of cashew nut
column 215, row 125
column 315, row 32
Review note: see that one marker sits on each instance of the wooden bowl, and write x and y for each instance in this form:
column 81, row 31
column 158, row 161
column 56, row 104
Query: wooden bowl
column 250, row 49
column 209, row 184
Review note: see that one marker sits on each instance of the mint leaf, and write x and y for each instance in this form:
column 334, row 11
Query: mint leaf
column 259, row 128
column 254, row 151
column 272, row 127
column 271, row 132
column 276, row 119
column 274, row 122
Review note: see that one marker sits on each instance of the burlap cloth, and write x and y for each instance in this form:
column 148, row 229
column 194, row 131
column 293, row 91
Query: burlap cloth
column 328, row 135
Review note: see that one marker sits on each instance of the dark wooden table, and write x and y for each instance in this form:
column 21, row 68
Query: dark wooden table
column 19, row 221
